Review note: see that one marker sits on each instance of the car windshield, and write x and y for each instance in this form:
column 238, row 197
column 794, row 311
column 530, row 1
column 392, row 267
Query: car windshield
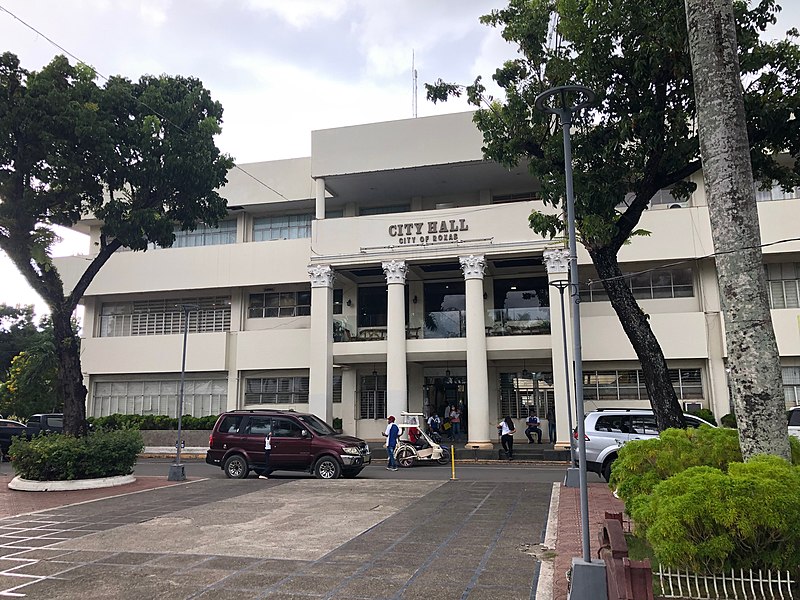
column 317, row 425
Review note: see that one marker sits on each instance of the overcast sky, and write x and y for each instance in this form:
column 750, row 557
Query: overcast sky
column 280, row 68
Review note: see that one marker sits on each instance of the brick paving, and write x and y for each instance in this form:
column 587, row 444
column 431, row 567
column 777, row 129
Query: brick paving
column 568, row 541
column 13, row 502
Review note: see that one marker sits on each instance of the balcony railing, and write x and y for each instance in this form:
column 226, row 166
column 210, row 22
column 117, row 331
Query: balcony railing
column 445, row 324
column 518, row 321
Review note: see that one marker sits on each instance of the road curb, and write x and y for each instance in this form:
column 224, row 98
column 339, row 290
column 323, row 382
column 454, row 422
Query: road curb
column 28, row 485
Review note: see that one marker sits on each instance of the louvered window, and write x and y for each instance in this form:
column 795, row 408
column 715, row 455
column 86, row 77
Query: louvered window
column 783, row 280
column 164, row 317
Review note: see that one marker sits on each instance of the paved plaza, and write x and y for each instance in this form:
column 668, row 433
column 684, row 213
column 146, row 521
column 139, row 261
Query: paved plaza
column 283, row 538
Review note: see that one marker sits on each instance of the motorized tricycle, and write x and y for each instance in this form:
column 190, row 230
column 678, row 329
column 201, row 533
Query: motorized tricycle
column 415, row 445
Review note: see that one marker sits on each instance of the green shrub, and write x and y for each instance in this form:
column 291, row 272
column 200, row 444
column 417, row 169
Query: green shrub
column 337, row 423
column 643, row 464
column 160, row 422
column 56, row 457
column 705, row 414
column 707, row 520
column 728, row 420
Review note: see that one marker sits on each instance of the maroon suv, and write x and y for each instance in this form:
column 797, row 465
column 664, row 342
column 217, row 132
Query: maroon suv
column 300, row 442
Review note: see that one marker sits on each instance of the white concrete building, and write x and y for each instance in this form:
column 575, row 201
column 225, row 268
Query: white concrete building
column 394, row 269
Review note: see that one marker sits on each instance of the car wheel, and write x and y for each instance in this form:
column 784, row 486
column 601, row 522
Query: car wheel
column 236, row 467
column 445, row 458
column 351, row 474
column 405, row 457
column 327, row 468
column 607, row 469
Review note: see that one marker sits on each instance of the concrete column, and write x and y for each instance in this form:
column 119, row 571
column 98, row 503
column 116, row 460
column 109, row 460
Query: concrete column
column 396, row 378
column 320, row 195
column 477, row 366
column 320, row 383
column 557, row 263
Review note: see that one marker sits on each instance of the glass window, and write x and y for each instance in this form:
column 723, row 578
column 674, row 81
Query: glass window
column 791, row 386
column 613, row 423
column 282, row 227
column 230, row 424
column 276, row 390
column 338, row 301
column 445, row 309
column 783, row 282
column 203, row 235
column 372, row 397
column 383, row 210
column 259, row 425
column 201, row 397
column 644, row 425
column 280, row 304
column 774, row 192
column 599, row 386
column 372, row 306
column 652, row 284
column 164, row 317
column 286, row 428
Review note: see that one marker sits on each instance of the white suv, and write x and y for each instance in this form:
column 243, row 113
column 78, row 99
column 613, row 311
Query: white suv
column 794, row 421
column 607, row 430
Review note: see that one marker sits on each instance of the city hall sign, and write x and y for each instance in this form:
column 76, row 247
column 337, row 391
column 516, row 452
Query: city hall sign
column 429, row 232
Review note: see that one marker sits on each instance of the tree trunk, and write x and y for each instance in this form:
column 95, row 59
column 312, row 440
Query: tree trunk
column 635, row 323
column 753, row 357
column 70, row 378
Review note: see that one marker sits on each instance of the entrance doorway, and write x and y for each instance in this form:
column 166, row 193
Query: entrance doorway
column 440, row 392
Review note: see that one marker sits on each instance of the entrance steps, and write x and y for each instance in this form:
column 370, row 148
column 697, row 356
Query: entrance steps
column 523, row 452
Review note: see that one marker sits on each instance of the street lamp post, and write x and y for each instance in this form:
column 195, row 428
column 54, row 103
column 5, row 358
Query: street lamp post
column 176, row 470
column 561, row 285
column 588, row 578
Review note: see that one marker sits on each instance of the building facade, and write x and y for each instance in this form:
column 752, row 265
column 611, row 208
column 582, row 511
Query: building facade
column 394, row 270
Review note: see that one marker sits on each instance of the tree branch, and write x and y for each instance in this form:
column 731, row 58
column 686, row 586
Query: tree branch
column 106, row 251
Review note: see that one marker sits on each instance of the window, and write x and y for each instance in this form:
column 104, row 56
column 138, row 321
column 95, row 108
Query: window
column 523, row 396
column 519, row 197
column 286, row 428
column 372, row 306
column 600, row 386
column 282, row 227
column 783, row 280
column 230, row 424
column 654, row 284
column 372, row 397
column 614, row 423
column 224, row 233
column 164, row 317
column 276, row 390
column 201, row 397
column 337, row 389
column 280, row 304
column 791, row 385
column 383, row 210
column 338, row 301
column 259, row 425
column 775, row 192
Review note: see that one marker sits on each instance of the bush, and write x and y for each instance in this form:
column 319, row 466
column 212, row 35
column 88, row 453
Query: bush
column 707, row 520
column 728, row 420
column 57, row 457
column 643, row 464
column 337, row 423
column 161, row 422
column 705, row 414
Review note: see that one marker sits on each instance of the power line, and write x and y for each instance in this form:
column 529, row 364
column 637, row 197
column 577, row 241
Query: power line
column 103, row 77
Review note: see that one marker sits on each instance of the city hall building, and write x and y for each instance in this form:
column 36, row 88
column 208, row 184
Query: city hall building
column 394, row 270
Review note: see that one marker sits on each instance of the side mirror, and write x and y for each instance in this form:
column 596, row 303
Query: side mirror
column 304, row 433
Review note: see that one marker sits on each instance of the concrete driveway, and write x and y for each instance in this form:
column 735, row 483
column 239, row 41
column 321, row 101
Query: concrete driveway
column 285, row 538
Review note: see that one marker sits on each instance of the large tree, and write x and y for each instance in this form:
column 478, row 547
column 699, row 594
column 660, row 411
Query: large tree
column 639, row 138
column 753, row 358
column 138, row 156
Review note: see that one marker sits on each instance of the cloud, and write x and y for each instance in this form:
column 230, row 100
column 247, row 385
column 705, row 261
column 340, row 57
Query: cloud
column 301, row 13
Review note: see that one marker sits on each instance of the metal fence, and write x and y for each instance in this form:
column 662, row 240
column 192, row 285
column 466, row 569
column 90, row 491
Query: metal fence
column 744, row 585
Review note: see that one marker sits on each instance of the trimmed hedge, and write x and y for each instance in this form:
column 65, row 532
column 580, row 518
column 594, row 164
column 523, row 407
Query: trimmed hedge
column 59, row 457
column 159, row 422
column 707, row 520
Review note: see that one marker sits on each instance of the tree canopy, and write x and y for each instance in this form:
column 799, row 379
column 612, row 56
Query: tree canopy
column 139, row 157
column 640, row 137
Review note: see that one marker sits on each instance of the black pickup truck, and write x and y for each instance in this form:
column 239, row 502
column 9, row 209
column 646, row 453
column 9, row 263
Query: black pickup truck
column 47, row 422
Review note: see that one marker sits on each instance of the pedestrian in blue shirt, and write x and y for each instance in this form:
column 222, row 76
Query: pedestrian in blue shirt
column 392, row 433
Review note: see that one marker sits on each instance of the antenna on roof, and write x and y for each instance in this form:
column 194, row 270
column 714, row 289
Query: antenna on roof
column 414, row 86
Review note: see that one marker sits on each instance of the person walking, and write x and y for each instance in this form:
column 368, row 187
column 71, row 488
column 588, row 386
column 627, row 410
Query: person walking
column 392, row 433
column 455, row 423
column 267, row 451
column 507, row 430
column 551, row 424
column 533, row 427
